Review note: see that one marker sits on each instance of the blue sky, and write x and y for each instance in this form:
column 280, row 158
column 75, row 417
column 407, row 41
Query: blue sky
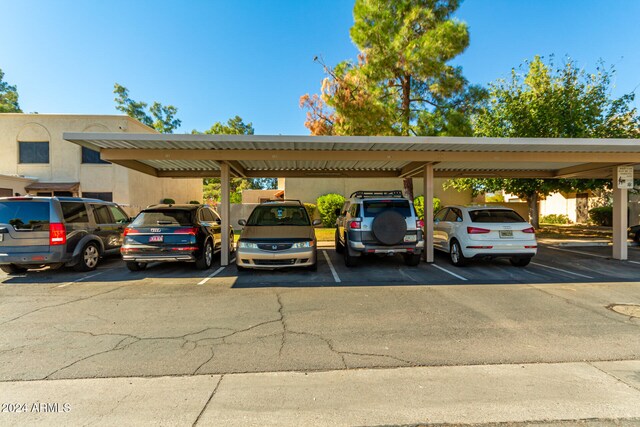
column 216, row 59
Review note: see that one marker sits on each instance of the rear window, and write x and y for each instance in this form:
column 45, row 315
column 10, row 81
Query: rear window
column 163, row 217
column 374, row 207
column 495, row 215
column 25, row 215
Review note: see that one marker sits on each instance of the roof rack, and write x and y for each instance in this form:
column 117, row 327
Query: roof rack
column 281, row 200
column 363, row 194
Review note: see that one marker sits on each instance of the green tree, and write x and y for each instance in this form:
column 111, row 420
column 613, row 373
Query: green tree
column 402, row 83
column 551, row 103
column 159, row 117
column 8, row 97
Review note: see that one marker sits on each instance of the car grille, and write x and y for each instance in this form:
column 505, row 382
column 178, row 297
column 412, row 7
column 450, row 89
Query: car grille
column 274, row 246
column 274, row 261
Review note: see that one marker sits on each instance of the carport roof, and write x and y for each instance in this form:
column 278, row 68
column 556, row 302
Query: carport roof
column 199, row 155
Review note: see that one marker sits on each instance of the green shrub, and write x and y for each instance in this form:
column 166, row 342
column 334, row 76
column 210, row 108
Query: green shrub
column 311, row 210
column 555, row 219
column 194, row 202
column 327, row 205
column 418, row 203
column 496, row 198
column 602, row 215
column 168, row 201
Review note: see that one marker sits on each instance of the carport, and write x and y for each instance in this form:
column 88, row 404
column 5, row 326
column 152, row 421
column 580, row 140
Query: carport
column 256, row 156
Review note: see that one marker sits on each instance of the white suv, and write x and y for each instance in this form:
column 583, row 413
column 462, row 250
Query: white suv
column 484, row 232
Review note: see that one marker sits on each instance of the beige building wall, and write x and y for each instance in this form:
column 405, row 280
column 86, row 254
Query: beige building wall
column 13, row 184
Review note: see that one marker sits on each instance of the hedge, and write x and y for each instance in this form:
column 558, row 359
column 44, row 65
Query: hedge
column 418, row 203
column 602, row 215
column 327, row 204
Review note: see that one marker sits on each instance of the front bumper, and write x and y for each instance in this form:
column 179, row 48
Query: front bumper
column 258, row 258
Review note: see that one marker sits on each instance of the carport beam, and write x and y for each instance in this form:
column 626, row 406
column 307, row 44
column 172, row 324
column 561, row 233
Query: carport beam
column 620, row 203
column 225, row 212
column 428, row 212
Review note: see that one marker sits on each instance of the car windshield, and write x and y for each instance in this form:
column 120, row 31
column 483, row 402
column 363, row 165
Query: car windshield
column 278, row 215
column 495, row 215
column 374, row 207
column 166, row 217
column 25, row 215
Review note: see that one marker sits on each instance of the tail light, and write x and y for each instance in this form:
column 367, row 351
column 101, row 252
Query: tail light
column 529, row 230
column 354, row 225
column 420, row 224
column 128, row 231
column 57, row 234
column 477, row 230
column 190, row 230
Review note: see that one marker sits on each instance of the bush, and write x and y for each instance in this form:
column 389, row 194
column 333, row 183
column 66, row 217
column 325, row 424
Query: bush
column 327, row 205
column 418, row 203
column 555, row 219
column 168, row 202
column 194, row 202
column 602, row 215
column 311, row 210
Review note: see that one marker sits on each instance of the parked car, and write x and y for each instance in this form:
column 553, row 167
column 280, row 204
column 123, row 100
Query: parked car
column 634, row 233
column 56, row 231
column 378, row 223
column 173, row 233
column 277, row 234
column 484, row 232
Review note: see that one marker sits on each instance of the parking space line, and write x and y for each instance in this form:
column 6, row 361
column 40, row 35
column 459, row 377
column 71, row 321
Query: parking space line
column 333, row 270
column 562, row 270
column 635, row 262
column 215, row 273
column 578, row 252
column 449, row 272
column 64, row 285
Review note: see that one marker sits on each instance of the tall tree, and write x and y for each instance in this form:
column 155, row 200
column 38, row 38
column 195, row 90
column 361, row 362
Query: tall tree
column 8, row 97
column 160, row 117
column 402, row 82
column 544, row 102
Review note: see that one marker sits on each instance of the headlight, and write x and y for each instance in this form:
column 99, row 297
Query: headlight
column 303, row 244
column 249, row 245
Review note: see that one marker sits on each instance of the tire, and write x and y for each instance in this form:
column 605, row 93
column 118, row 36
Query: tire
column 456, row 256
column 313, row 267
column 349, row 261
column 205, row 261
column 136, row 266
column 12, row 269
column 412, row 260
column 339, row 245
column 520, row 262
column 389, row 228
column 89, row 258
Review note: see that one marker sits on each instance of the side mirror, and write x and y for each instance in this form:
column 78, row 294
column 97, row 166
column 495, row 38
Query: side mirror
column 242, row 222
column 338, row 212
column 435, row 221
column 316, row 222
column 218, row 221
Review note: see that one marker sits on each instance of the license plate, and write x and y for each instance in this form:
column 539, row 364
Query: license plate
column 410, row 238
column 156, row 239
column 506, row 233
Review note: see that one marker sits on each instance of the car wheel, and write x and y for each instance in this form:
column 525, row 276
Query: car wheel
column 339, row 245
column 136, row 266
column 520, row 262
column 455, row 254
column 206, row 257
column 412, row 260
column 313, row 267
column 12, row 269
column 89, row 258
column 349, row 261
column 241, row 268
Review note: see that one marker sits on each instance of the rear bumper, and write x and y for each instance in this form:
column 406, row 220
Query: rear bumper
column 57, row 255
column 368, row 248
column 257, row 258
column 145, row 255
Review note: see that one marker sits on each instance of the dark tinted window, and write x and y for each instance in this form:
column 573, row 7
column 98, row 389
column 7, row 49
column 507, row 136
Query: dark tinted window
column 495, row 215
column 454, row 215
column 92, row 156
column 355, row 210
column 374, row 207
column 107, row 197
column 206, row 215
column 118, row 215
column 278, row 215
column 34, row 152
column 25, row 215
column 153, row 218
column 101, row 214
column 440, row 215
column 74, row 212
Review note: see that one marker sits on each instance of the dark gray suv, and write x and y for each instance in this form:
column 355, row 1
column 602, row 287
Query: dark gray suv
column 56, row 231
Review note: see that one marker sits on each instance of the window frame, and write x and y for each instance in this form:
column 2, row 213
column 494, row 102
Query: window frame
column 22, row 144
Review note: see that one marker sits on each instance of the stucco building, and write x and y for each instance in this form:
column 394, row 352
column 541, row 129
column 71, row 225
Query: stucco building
column 36, row 160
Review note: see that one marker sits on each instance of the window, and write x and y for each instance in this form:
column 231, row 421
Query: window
column 107, row 197
column 206, row 215
column 441, row 215
column 454, row 215
column 355, row 211
column 153, row 218
column 74, row 212
column 6, row 192
column 374, row 207
column 34, row 152
column 118, row 215
column 495, row 216
column 25, row 215
column 101, row 214
column 92, row 157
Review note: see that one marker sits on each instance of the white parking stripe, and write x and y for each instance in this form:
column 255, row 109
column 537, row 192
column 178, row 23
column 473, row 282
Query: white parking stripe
column 82, row 279
column 578, row 252
column 333, row 270
column 232, row 260
column 564, row 271
column 449, row 272
column 635, row 262
column 215, row 273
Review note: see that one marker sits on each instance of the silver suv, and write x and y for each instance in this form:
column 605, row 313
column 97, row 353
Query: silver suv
column 378, row 223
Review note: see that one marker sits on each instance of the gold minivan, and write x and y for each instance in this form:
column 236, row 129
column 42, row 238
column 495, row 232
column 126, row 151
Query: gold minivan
column 277, row 234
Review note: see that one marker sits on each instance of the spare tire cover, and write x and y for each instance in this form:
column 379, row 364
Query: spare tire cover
column 389, row 228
